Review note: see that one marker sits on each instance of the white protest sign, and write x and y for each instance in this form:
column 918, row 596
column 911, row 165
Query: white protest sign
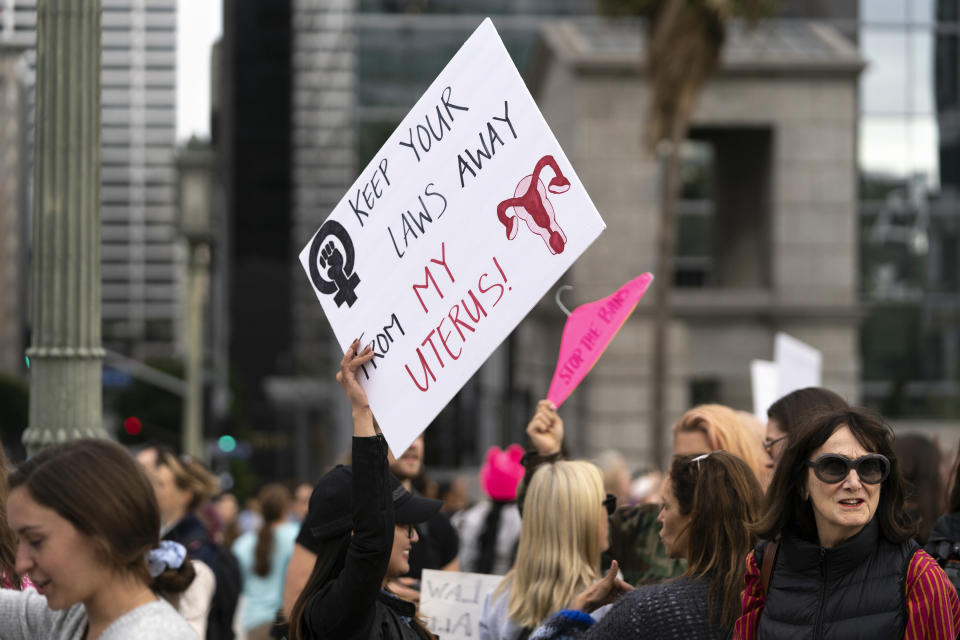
column 452, row 602
column 798, row 364
column 765, row 384
column 461, row 222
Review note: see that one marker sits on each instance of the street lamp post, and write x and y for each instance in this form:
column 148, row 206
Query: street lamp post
column 65, row 351
column 195, row 167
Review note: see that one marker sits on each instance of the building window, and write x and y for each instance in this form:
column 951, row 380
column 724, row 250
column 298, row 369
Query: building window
column 723, row 216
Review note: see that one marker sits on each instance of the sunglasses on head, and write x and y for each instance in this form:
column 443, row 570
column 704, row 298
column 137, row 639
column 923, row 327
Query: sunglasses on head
column 610, row 503
column 833, row 467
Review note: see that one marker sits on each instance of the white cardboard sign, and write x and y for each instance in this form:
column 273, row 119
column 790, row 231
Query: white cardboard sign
column 451, row 602
column 765, row 381
column 462, row 221
column 796, row 365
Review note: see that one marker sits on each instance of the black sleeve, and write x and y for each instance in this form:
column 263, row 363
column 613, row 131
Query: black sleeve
column 346, row 607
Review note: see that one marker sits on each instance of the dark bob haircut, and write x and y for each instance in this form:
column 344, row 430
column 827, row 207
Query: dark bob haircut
column 784, row 506
column 792, row 409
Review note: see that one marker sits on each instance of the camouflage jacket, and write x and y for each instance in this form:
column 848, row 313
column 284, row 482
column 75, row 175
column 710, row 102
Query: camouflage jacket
column 635, row 544
column 634, row 535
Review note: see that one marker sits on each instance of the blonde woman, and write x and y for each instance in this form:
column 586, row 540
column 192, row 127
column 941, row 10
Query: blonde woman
column 564, row 531
column 714, row 427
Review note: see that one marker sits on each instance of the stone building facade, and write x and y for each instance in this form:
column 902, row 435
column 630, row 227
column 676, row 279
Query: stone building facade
column 777, row 125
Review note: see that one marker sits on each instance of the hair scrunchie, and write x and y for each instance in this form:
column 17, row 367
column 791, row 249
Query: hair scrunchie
column 169, row 555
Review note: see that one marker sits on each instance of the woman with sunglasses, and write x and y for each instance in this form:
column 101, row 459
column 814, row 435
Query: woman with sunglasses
column 842, row 563
column 564, row 530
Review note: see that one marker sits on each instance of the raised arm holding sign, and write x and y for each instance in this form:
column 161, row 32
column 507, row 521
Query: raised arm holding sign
column 424, row 256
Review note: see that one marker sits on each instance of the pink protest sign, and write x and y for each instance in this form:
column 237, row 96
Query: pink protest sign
column 588, row 331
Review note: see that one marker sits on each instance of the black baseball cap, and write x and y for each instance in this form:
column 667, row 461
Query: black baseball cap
column 331, row 505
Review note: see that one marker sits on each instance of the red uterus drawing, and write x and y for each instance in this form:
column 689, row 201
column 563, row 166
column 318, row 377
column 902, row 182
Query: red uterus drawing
column 530, row 204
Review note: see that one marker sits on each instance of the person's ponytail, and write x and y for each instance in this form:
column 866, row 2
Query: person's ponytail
column 170, row 584
column 274, row 503
column 261, row 554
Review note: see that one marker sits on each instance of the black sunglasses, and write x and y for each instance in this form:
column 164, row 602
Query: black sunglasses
column 610, row 503
column 833, row 467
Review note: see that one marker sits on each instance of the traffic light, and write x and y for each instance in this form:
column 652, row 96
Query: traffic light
column 132, row 426
column 227, row 444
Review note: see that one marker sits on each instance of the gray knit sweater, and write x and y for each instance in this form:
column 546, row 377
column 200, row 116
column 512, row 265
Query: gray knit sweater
column 24, row 615
column 675, row 610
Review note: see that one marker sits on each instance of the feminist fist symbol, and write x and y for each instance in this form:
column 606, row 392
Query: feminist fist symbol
column 329, row 254
column 332, row 255
column 338, row 276
column 530, row 202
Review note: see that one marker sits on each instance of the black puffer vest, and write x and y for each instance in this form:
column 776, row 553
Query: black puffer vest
column 854, row 590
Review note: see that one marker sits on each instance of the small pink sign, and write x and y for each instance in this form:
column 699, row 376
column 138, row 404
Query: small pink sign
column 588, row 331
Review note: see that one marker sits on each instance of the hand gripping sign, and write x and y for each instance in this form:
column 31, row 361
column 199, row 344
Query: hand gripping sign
column 461, row 222
column 588, row 331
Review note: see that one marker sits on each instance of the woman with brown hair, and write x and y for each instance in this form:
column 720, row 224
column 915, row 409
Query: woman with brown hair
column 842, row 564
column 920, row 464
column 88, row 525
column 709, row 504
column 263, row 556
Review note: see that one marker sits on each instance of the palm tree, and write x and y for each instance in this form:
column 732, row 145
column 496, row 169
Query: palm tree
column 684, row 41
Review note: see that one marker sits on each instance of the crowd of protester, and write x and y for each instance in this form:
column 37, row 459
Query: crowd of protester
column 819, row 523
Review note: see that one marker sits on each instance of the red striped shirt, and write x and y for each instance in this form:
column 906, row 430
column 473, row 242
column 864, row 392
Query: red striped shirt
column 933, row 609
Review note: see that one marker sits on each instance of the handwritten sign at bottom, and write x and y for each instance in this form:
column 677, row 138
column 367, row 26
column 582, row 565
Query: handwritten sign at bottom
column 451, row 602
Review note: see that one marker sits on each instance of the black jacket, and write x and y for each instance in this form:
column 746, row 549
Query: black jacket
column 944, row 546
column 352, row 606
column 192, row 534
column 947, row 530
column 854, row 590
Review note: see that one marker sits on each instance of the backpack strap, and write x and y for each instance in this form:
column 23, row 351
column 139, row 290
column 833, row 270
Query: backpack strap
column 766, row 569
